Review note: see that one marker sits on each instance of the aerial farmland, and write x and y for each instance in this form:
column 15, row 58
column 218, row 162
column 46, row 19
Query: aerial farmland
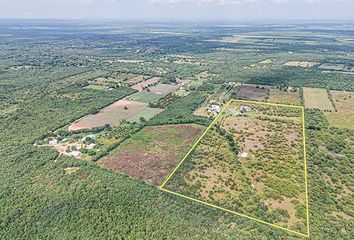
column 176, row 130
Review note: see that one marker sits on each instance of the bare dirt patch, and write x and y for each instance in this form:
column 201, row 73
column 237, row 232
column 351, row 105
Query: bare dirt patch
column 304, row 64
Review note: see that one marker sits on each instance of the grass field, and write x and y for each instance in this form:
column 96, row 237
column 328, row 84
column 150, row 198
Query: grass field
column 284, row 97
column 96, row 87
column 344, row 102
column 164, row 89
column 147, row 114
column 111, row 115
column 317, row 98
column 251, row 161
column 152, row 153
column 145, row 97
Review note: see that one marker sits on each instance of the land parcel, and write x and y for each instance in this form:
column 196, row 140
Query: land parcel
column 151, row 154
column 344, row 114
column 250, row 162
column 317, row 98
column 114, row 114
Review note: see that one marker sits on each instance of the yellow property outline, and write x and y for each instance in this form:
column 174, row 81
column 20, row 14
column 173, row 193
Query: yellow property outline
column 240, row 214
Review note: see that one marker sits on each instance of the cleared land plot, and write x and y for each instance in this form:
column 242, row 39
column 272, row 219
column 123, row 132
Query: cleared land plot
column 145, row 97
column 284, row 97
column 344, row 102
column 252, row 92
column 146, row 114
column 152, row 153
column 111, row 115
column 147, row 83
column 266, row 61
column 125, row 78
column 96, row 87
column 251, row 162
column 304, row 64
column 164, row 89
column 317, row 98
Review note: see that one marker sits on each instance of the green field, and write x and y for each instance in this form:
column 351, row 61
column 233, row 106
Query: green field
column 147, row 114
column 145, row 97
column 96, row 87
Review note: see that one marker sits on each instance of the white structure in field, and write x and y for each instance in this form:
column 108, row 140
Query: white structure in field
column 215, row 109
column 75, row 154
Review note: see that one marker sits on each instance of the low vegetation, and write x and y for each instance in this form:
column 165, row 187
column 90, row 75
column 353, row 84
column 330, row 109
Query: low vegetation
column 254, row 151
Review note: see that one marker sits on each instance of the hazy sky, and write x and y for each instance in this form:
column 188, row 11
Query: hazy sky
column 181, row 9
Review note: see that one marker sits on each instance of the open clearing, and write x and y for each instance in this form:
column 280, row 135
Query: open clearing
column 96, row 87
column 145, row 97
column 317, row 98
column 250, row 161
column 344, row 102
column 304, row 64
column 252, row 92
column 147, row 114
column 164, row 89
column 147, row 83
column 111, row 115
column 284, row 97
column 152, row 153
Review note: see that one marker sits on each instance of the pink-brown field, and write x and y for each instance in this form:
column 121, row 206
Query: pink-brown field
column 152, row 153
column 253, row 92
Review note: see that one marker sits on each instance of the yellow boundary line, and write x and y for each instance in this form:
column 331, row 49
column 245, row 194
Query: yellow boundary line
column 237, row 213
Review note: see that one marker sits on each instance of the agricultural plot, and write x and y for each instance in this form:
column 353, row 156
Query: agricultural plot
column 266, row 61
column 144, row 115
column 111, row 115
column 96, row 87
column 303, row 64
column 252, row 92
column 344, row 115
column 164, row 89
column 284, row 97
column 123, row 78
column 147, row 83
column 250, row 162
column 152, row 153
column 317, row 98
column 145, row 97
